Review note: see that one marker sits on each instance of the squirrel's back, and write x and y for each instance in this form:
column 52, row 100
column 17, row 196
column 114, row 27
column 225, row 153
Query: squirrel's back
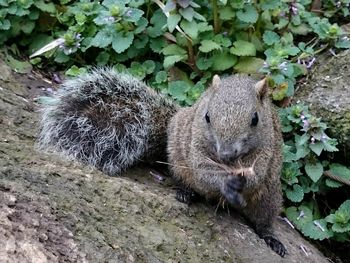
column 108, row 120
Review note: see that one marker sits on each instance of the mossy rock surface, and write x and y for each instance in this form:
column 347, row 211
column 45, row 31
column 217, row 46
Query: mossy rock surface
column 53, row 210
column 327, row 92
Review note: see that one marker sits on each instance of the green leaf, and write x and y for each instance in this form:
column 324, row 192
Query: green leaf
column 149, row 66
column 243, row 48
column 75, row 71
column 122, row 41
column 204, row 63
column 249, row 65
column 317, row 229
column 270, row 37
column 28, row 27
column 173, row 49
column 102, row 58
column 208, row 45
column 190, row 28
column 226, row 13
column 172, row 21
column 296, row 194
column 187, row 13
column 314, row 171
column 178, row 89
column 248, row 15
column 316, row 147
column 5, row 24
column 45, row 7
column 300, row 216
column 102, row 39
column 19, row 66
column 133, row 14
column 171, row 60
column 223, row 61
column 161, row 77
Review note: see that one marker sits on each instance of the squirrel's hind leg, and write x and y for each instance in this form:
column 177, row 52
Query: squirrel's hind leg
column 261, row 210
column 186, row 194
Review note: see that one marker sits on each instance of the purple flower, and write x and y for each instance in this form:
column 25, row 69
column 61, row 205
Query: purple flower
column 305, row 124
column 110, row 19
column 313, row 140
column 128, row 13
column 302, row 116
column 338, row 4
column 324, row 138
column 293, row 9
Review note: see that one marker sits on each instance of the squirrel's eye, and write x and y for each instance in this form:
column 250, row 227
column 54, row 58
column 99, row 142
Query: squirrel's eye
column 255, row 119
column 207, row 119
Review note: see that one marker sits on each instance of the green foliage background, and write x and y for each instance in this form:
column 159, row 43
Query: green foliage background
column 177, row 47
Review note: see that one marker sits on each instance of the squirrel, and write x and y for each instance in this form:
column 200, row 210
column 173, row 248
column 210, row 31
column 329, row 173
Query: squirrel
column 112, row 121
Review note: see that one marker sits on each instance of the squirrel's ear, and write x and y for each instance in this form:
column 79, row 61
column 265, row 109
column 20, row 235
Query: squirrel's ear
column 216, row 82
column 261, row 88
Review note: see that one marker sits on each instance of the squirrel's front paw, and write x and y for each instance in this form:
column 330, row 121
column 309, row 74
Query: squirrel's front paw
column 232, row 191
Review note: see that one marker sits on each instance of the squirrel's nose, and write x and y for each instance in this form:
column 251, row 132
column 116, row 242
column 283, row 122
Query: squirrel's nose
column 228, row 154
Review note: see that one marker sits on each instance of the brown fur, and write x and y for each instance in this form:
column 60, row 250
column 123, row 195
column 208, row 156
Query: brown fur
column 192, row 142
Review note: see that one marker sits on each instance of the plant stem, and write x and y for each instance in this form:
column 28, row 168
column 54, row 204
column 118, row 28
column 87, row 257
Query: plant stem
column 215, row 16
column 191, row 57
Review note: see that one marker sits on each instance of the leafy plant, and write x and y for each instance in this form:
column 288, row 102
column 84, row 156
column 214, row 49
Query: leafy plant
column 306, row 179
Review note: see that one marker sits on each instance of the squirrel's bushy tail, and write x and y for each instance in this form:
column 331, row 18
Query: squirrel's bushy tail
column 108, row 120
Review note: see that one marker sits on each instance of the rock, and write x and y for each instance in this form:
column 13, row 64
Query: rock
column 327, row 93
column 55, row 210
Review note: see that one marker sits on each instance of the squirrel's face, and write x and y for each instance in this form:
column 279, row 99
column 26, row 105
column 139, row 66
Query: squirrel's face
column 235, row 117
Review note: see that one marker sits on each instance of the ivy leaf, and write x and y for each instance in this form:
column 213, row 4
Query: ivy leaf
column 122, row 41
column 248, row 15
column 296, row 194
column 316, row 147
column 208, row 45
column 314, row 171
column 270, row 37
column 243, row 48
column 172, row 21
column 223, row 61
column 317, row 229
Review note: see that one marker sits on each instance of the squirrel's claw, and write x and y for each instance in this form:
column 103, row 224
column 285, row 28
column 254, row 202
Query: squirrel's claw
column 186, row 196
column 232, row 191
column 275, row 245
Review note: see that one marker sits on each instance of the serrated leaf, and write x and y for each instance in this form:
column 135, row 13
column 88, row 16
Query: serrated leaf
column 161, row 77
column 296, row 194
column 102, row 39
column 270, row 37
column 190, row 28
column 223, row 61
column 121, row 41
column 204, row 63
column 208, row 45
column 171, row 60
column 317, row 229
column 226, row 13
column 316, row 147
column 248, row 15
column 178, row 89
column 249, row 65
column 243, row 48
column 45, row 7
column 187, row 13
column 314, row 171
column 149, row 66
column 172, row 21
column 173, row 49
column 133, row 14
